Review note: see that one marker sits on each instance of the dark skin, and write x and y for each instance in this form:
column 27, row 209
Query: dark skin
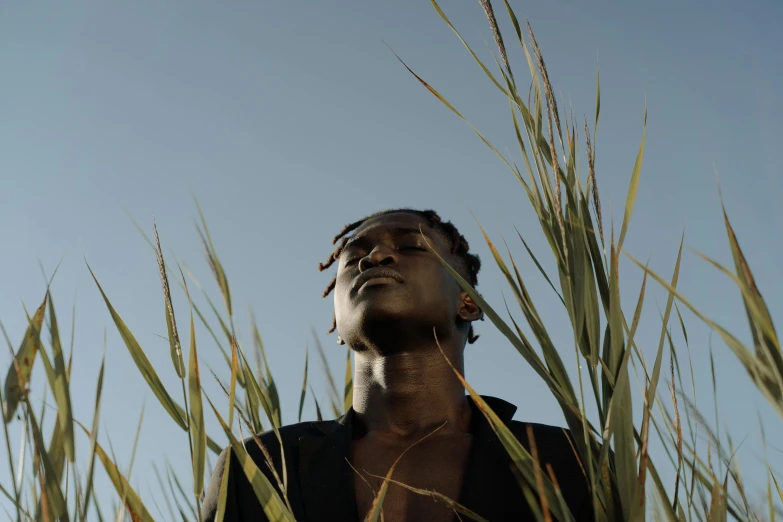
column 403, row 388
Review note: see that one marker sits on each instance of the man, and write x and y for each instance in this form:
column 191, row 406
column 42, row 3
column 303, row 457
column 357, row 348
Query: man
column 390, row 292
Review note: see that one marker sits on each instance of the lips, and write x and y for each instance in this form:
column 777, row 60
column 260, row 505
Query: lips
column 374, row 273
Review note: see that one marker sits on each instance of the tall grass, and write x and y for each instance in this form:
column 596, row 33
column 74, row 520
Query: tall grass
column 612, row 445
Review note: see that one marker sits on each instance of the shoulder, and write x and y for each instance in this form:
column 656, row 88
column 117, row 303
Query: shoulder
column 291, row 433
column 289, row 438
column 554, row 444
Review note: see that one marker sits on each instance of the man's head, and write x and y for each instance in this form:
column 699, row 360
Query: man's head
column 417, row 292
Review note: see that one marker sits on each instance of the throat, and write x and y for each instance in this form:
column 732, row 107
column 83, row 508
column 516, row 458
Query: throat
column 405, row 396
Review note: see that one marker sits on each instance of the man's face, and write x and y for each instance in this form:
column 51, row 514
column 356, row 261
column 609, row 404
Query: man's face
column 390, row 283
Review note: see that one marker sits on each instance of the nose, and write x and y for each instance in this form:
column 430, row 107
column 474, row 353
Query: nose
column 381, row 255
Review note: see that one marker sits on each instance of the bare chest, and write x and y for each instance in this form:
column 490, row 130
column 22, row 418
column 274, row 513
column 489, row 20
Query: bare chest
column 436, row 465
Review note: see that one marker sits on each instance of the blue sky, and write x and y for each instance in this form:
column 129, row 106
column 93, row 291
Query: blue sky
column 286, row 119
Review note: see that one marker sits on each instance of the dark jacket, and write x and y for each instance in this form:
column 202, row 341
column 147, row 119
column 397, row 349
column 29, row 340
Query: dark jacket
column 321, row 483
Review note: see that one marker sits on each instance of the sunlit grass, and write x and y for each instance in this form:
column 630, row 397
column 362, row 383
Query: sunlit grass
column 612, row 446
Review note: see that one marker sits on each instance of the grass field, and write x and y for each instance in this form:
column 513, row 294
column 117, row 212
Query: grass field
column 557, row 173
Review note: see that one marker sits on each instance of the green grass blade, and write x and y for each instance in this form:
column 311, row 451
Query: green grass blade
column 221, row 508
column 656, row 372
column 274, row 399
column 24, row 359
column 196, row 414
column 132, row 500
column 143, row 364
column 172, row 476
column 765, row 338
column 233, row 383
column 274, row 508
column 597, row 101
column 304, row 388
column 54, row 499
column 133, row 452
column 525, row 350
column 622, row 425
column 520, row 456
column 334, row 396
column 9, row 454
column 93, row 442
column 214, row 262
column 61, row 389
column 756, row 371
column 56, row 451
column 633, row 187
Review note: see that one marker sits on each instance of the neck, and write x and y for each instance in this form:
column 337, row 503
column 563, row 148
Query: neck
column 408, row 394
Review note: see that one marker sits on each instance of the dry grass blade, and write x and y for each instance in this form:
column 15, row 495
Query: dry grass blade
column 552, row 112
column 473, row 54
column 377, row 503
column 678, row 426
column 593, row 182
column 143, row 364
column 16, row 382
column 171, row 322
column 539, row 481
column 456, row 506
column 717, row 511
column 496, row 35
column 348, row 393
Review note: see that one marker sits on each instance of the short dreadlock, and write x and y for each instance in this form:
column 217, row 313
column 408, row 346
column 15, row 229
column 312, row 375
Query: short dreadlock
column 459, row 247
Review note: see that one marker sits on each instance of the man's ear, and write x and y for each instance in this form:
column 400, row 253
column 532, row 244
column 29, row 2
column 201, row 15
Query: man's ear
column 468, row 309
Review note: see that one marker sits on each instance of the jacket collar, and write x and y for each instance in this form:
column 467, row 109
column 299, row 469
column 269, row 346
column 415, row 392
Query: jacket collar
column 327, row 480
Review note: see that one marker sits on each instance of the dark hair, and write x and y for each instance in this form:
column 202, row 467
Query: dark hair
column 459, row 247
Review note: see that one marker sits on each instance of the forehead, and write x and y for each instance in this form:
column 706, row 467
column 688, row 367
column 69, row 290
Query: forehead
column 395, row 221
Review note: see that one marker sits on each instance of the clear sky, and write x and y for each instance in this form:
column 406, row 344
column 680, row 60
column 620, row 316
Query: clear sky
column 289, row 119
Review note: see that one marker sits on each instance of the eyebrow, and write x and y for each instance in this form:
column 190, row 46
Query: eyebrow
column 399, row 231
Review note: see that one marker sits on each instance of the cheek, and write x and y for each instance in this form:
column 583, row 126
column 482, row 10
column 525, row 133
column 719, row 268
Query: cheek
column 340, row 297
